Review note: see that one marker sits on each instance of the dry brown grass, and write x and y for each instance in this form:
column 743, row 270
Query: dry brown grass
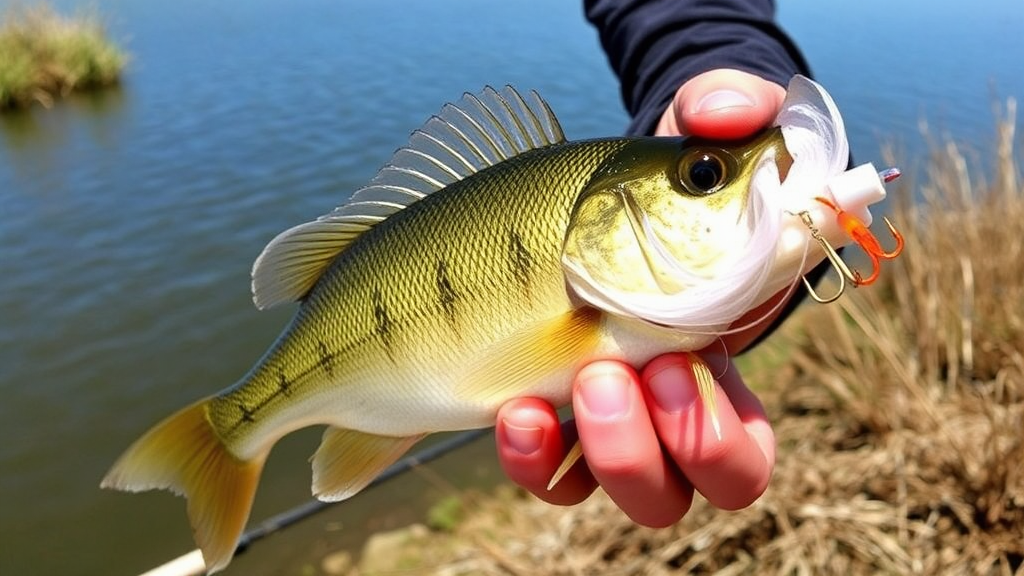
column 899, row 415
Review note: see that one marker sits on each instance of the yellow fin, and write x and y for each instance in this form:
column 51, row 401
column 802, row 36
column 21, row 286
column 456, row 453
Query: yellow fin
column 527, row 357
column 348, row 460
column 575, row 453
column 706, row 390
column 183, row 454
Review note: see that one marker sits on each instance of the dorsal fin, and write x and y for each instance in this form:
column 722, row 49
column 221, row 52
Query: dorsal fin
column 462, row 139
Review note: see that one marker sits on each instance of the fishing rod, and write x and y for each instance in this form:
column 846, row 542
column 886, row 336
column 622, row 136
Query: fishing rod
column 191, row 564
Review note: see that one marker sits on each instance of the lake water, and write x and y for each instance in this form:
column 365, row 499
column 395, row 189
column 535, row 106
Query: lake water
column 129, row 219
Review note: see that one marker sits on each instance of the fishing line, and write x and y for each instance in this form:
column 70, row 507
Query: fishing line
column 790, row 290
column 725, row 355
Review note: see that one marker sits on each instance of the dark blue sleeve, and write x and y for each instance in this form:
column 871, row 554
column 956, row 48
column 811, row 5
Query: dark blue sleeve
column 654, row 46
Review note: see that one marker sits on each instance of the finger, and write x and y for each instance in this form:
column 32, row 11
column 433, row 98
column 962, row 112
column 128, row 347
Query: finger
column 722, row 104
column 622, row 449
column 751, row 413
column 730, row 472
column 531, row 445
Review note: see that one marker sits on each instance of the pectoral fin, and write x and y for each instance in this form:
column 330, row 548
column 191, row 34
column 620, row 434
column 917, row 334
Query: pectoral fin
column 706, row 390
column 348, row 460
column 574, row 455
column 528, row 356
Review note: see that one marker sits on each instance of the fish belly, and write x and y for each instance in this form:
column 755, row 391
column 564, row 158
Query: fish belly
column 459, row 391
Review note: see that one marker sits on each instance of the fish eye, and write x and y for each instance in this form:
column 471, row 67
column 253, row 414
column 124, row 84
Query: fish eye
column 703, row 172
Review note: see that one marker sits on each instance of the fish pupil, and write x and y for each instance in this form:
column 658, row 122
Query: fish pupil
column 706, row 173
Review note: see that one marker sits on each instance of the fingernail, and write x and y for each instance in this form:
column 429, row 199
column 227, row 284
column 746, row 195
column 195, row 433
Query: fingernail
column 672, row 388
column 605, row 394
column 525, row 440
column 721, row 99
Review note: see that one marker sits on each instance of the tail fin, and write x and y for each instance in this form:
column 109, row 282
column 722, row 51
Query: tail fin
column 184, row 454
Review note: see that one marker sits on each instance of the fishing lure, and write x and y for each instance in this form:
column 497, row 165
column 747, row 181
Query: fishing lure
column 856, row 184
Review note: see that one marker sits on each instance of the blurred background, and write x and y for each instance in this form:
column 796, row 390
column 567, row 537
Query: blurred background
column 129, row 218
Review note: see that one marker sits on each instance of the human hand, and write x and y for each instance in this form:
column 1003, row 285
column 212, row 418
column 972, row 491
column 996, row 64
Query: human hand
column 646, row 438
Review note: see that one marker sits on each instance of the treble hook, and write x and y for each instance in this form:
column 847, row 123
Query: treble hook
column 833, row 257
column 860, row 234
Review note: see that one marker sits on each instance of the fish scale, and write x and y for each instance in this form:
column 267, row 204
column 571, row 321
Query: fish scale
column 391, row 271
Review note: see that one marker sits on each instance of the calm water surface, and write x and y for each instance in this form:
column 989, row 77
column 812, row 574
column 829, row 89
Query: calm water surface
column 129, row 220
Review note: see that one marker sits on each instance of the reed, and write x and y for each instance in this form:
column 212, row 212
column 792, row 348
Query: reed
column 45, row 55
column 899, row 413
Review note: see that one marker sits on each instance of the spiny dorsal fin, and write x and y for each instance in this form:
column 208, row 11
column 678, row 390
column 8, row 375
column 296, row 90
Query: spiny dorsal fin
column 462, row 139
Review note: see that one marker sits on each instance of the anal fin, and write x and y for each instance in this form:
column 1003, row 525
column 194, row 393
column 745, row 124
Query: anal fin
column 348, row 460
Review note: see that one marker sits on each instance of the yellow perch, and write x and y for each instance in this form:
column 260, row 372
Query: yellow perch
column 489, row 260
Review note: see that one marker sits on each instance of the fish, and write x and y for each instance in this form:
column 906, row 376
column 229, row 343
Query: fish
column 490, row 259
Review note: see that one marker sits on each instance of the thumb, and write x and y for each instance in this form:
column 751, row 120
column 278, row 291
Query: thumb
column 722, row 104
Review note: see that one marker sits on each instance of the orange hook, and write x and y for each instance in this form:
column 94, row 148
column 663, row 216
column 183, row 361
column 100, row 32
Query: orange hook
column 859, row 232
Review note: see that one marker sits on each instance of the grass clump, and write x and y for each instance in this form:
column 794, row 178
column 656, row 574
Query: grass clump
column 44, row 55
column 899, row 415
column 445, row 515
